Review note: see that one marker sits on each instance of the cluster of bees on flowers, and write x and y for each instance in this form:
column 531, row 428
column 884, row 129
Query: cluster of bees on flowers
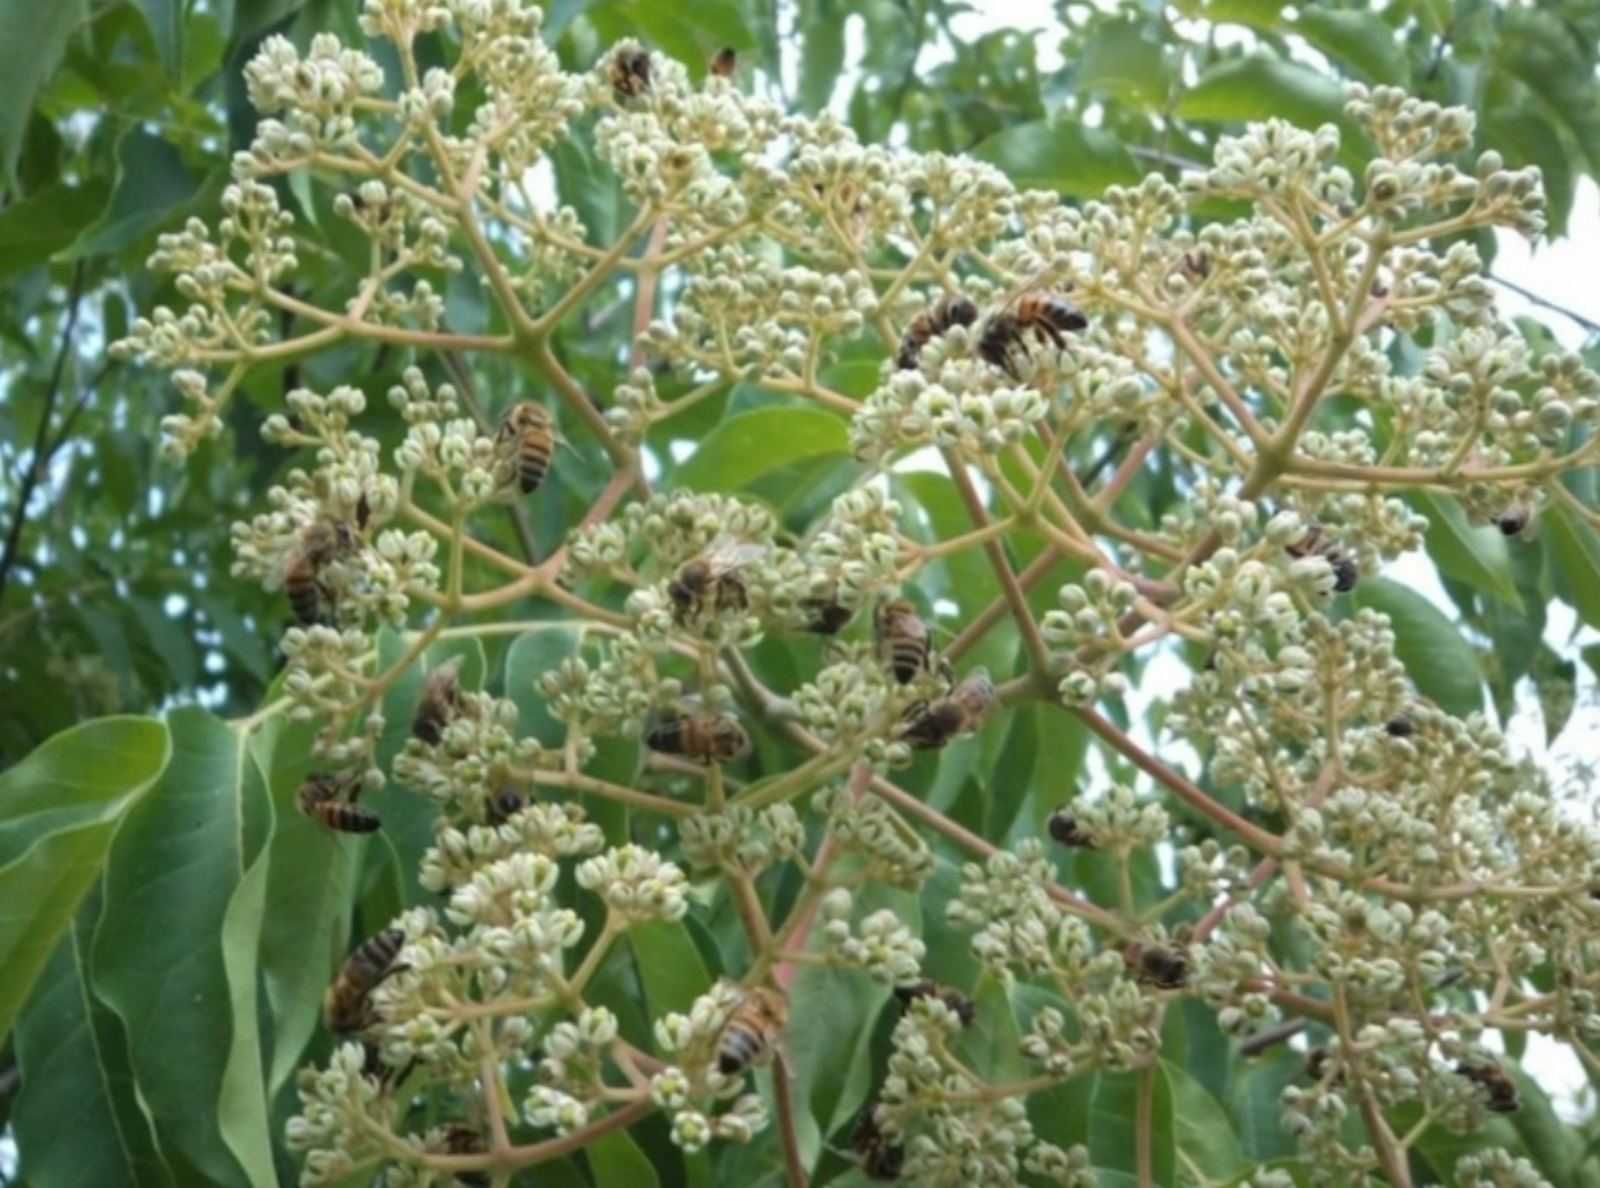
column 713, row 583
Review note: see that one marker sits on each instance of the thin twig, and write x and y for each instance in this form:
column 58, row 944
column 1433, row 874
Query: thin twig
column 1588, row 324
column 39, row 459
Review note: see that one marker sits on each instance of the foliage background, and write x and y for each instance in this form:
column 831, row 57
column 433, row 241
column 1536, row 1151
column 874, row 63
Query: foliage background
column 133, row 1057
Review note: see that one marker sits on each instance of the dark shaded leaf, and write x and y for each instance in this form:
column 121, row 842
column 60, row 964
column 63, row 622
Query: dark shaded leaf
column 1442, row 664
column 33, row 36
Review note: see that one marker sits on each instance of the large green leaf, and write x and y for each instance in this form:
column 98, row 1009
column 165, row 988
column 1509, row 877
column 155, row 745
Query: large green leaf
column 747, row 446
column 180, row 859
column 1059, row 155
column 1113, row 1131
column 1576, row 546
column 165, row 18
column 822, row 26
column 1471, row 553
column 670, row 967
column 39, row 226
column 311, row 886
column 616, row 1159
column 33, row 36
column 1122, row 59
column 1357, row 43
column 1442, row 664
column 1260, row 87
column 535, row 652
column 1204, row 1134
column 77, row 1118
column 59, row 808
column 152, row 182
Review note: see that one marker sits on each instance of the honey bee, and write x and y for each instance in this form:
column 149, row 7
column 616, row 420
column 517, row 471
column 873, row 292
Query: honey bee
column 525, row 441
column 331, row 799
column 929, row 725
column 880, row 1158
column 629, row 73
column 725, row 62
column 441, row 701
column 902, row 638
column 954, row 309
column 752, row 1030
column 1196, row 265
column 1514, row 519
column 708, row 738
column 1319, row 1063
column 1315, row 544
column 309, row 595
column 345, row 1007
column 1400, row 726
column 1152, row 965
column 1064, row 829
column 504, row 805
column 1501, row 1089
column 715, row 573
column 1046, row 314
column 965, row 1009
column 825, row 616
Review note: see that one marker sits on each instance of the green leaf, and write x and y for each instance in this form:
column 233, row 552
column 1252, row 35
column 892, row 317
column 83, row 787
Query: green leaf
column 669, row 966
column 822, row 26
column 1120, row 59
column 747, row 446
column 165, row 18
column 77, row 1117
column 33, row 230
column 1204, row 1133
column 616, row 1159
column 1471, row 553
column 535, row 652
column 1059, row 155
column 1357, row 42
column 180, row 857
column 311, row 884
column 59, row 808
column 33, row 36
column 1255, row 1099
column 152, row 182
column 1576, row 546
column 1442, row 664
column 1113, row 1136
column 1260, row 87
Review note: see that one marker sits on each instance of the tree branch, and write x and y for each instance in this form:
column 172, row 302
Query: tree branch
column 40, row 456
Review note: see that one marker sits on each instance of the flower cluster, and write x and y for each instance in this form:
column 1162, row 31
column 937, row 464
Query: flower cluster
column 1355, row 853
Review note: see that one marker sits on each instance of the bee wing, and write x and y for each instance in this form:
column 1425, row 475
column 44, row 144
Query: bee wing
column 727, row 553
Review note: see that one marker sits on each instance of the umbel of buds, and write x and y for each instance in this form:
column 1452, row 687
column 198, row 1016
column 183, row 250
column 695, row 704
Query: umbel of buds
column 662, row 858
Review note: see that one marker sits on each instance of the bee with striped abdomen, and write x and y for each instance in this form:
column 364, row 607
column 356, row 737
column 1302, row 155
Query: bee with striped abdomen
column 629, row 73
column 714, row 578
column 310, row 596
column 1152, row 965
column 441, row 701
column 1500, row 1089
column 706, row 738
column 331, row 799
column 954, row 309
column 525, row 442
column 902, row 639
column 929, row 725
column 752, row 1030
column 345, row 1007
column 1047, row 315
